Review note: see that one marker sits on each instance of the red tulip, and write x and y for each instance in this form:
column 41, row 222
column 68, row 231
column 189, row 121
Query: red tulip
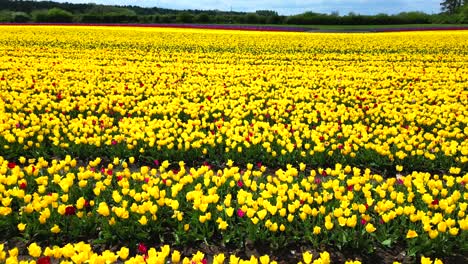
column 142, row 249
column 240, row 213
column 11, row 165
column 44, row 260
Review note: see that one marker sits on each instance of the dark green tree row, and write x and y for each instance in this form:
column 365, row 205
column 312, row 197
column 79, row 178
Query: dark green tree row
column 454, row 11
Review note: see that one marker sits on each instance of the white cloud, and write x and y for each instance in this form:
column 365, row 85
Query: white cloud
column 289, row 7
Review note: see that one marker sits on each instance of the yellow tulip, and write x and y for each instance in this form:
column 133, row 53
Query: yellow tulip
column 370, row 228
column 411, row 234
column 175, row 257
column 307, row 257
column 21, row 226
column 123, row 253
column 55, row 229
column 34, row 250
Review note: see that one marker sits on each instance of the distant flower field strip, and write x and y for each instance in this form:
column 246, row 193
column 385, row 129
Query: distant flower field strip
column 148, row 136
column 372, row 100
column 337, row 206
column 277, row 28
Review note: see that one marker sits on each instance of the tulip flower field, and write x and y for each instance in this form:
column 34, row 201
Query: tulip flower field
column 169, row 145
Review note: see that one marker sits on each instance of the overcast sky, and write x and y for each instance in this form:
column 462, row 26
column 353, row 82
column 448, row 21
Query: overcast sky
column 290, row 6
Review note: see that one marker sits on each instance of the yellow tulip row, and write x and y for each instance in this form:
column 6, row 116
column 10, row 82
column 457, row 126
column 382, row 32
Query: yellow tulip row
column 352, row 98
column 83, row 253
column 314, row 202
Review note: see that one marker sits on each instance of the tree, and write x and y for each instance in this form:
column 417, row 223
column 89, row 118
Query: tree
column 251, row 18
column 463, row 16
column 103, row 10
column 58, row 15
column 185, row 17
column 266, row 13
column 275, row 20
column 40, row 15
column 5, row 16
column 202, row 18
column 20, row 17
column 451, row 6
column 109, row 14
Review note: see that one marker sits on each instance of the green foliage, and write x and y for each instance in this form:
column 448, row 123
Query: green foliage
column 310, row 18
column 463, row 15
column 252, row 18
column 102, row 10
column 59, row 15
column 40, row 15
column 111, row 14
column 202, row 18
column 275, row 20
column 444, row 19
column 5, row 16
column 185, row 17
column 266, row 13
column 451, row 6
column 413, row 18
column 20, row 17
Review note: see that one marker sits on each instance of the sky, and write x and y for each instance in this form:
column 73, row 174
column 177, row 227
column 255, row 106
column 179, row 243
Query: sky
column 288, row 7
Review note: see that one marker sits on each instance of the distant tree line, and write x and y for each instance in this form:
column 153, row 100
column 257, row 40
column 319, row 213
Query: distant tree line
column 453, row 11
